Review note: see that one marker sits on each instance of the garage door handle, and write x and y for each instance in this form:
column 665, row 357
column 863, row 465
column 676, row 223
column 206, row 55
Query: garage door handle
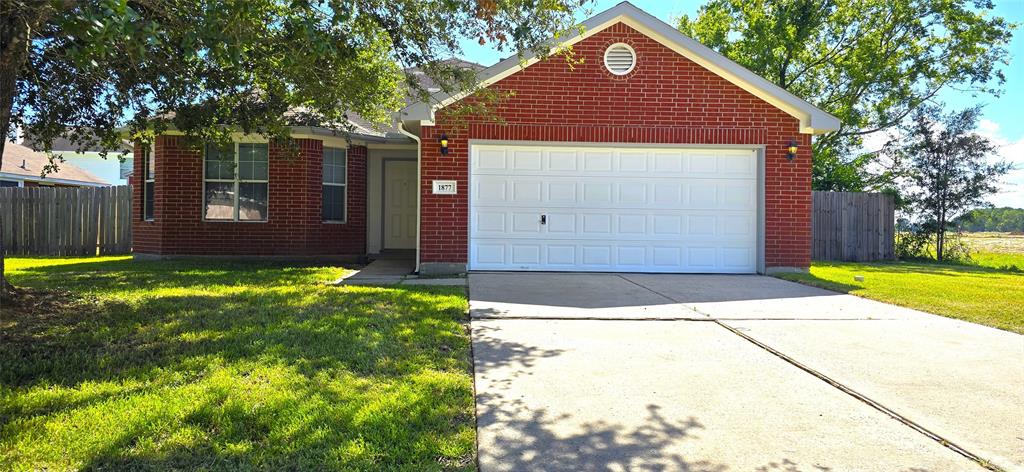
column 543, row 219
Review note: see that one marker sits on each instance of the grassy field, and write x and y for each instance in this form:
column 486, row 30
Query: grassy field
column 988, row 296
column 215, row 365
column 997, row 250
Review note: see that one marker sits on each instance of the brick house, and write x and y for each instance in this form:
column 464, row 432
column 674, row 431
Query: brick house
column 655, row 154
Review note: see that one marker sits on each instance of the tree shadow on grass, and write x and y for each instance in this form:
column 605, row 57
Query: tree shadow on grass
column 277, row 374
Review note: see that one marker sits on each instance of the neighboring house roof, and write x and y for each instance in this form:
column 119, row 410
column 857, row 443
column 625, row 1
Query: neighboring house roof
column 363, row 128
column 428, row 83
column 812, row 119
column 65, row 145
column 23, row 163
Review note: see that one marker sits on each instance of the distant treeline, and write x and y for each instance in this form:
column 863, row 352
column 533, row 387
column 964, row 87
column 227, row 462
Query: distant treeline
column 993, row 219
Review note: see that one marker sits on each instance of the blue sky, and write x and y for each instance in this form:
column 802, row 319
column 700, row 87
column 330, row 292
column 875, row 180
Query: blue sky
column 1002, row 121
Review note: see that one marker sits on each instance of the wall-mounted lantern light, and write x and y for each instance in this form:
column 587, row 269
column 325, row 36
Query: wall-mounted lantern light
column 791, row 151
column 444, row 144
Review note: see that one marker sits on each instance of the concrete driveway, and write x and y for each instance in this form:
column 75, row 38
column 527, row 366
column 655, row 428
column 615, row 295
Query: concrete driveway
column 705, row 372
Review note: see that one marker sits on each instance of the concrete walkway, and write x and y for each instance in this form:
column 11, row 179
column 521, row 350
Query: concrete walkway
column 700, row 372
column 395, row 271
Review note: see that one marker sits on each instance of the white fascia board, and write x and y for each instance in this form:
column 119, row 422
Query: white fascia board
column 812, row 119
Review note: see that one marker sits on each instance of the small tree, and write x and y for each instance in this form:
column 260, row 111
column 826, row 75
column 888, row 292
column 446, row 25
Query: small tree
column 210, row 68
column 948, row 167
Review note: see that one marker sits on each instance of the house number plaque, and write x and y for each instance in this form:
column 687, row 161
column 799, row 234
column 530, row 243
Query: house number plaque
column 444, row 187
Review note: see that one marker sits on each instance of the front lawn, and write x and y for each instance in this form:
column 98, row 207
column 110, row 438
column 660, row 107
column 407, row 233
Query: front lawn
column 978, row 294
column 227, row 365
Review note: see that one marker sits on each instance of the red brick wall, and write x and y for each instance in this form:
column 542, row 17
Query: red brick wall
column 293, row 226
column 665, row 99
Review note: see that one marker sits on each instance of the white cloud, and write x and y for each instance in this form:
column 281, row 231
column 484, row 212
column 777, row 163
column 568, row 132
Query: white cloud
column 874, row 142
column 1011, row 190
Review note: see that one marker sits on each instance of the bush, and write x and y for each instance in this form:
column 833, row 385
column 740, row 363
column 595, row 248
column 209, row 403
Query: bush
column 913, row 244
column 920, row 244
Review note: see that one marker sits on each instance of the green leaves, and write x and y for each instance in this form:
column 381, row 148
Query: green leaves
column 948, row 168
column 208, row 67
column 871, row 63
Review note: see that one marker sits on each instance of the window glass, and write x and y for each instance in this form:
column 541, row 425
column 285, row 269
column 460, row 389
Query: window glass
column 333, row 203
column 220, row 200
column 252, row 161
column 334, row 187
column 252, row 202
column 220, row 163
column 148, row 192
column 241, row 196
column 334, row 165
column 149, row 184
column 150, row 164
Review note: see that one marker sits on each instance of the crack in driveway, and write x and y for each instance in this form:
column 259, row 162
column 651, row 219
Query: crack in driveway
column 705, row 316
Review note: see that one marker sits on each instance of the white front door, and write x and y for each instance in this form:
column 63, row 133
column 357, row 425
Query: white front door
column 399, row 204
column 613, row 209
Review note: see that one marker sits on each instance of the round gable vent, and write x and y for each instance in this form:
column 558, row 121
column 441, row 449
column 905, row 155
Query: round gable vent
column 620, row 59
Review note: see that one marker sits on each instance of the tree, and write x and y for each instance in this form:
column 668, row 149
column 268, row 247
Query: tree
column 993, row 219
column 871, row 63
column 948, row 167
column 208, row 68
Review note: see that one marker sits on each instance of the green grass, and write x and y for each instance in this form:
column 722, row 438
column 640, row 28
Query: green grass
column 982, row 295
column 998, row 260
column 996, row 250
column 227, row 365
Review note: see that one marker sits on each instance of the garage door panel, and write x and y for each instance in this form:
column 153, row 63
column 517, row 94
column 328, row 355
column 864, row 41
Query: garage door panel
column 490, row 190
column 589, row 223
column 613, row 209
column 490, row 159
column 526, row 160
column 597, row 162
column 526, row 192
column 601, row 192
column 708, row 163
column 561, row 192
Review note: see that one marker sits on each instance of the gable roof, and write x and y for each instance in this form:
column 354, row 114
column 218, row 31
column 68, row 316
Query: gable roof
column 23, row 163
column 812, row 119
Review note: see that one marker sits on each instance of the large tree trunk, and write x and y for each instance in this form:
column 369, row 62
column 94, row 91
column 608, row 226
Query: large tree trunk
column 14, row 33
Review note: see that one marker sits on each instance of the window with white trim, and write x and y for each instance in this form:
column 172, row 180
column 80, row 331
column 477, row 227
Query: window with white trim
column 236, row 182
column 148, row 183
column 335, row 195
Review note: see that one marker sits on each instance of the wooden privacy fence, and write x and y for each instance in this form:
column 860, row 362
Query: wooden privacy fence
column 66, row 221
column 851, row 226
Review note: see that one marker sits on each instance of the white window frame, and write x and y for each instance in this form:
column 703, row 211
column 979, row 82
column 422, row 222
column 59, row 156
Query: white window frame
column 237, row 181
column 344, row 193
column 149, row 155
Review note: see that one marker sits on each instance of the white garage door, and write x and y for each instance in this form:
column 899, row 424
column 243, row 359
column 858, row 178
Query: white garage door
column 615, row 209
